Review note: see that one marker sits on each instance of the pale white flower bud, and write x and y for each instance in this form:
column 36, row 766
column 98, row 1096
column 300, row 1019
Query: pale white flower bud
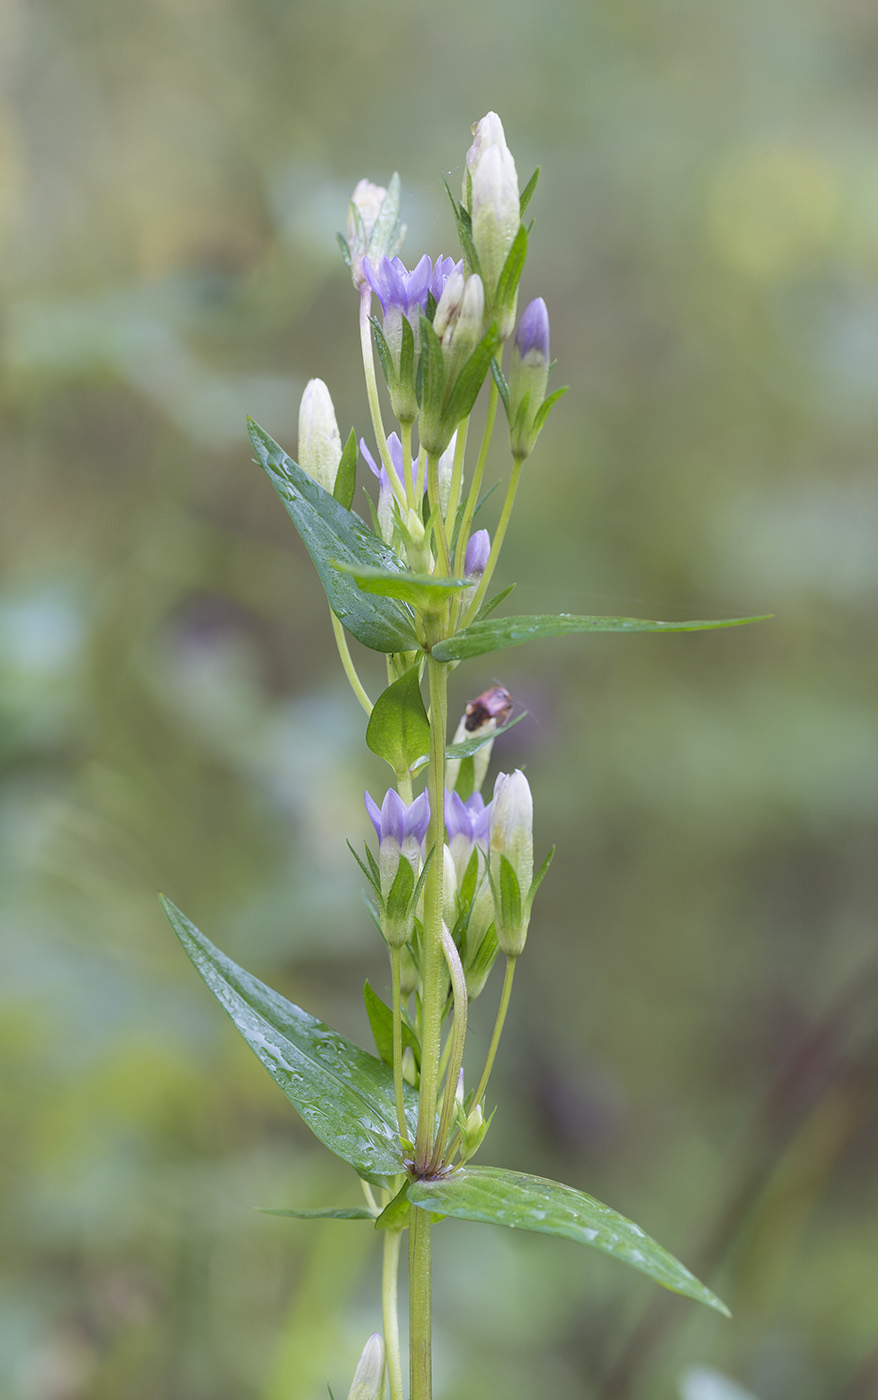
column 491, row 194
column 319, row 438
column 512, row 812
column 368, row 1382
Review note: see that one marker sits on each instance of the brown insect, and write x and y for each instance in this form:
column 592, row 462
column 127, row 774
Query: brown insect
column 495, row 704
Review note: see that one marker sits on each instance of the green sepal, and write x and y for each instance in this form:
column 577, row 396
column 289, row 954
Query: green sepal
column 502, row 386
column 399, row 896
column 512, row 269
column 464, row 231
column 388, row 368
column 480, row 964
column 330, row 1213
column 423, row 591
column 484, row 499
column 345, row 1095
column 346, row 478
column 371, row 875
column 470, row 880
column 510, row 895
column 537, row 881
column 488, row 607
column 407, row 353
column 469, row 382
column 395, row 1215
column 343, row 245
column 496, row 1196
column 528, row 192
column 493, row 634
column 381, row 1021
column 398, row 729
column 432, row 367
column 330, row 532
column 546, row 408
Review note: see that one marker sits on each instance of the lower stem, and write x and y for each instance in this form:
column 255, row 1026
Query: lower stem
column 397, row 1045
column 420, row 1290
column 390, row 1312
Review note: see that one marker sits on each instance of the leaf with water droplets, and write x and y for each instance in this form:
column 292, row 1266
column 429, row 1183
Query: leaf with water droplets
column 332, row 533
column 345, row 1095
column 492, row 634
column 496, row 1196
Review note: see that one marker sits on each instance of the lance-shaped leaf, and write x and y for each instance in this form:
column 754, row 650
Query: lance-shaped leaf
column 328, row 1213
column 493, row 634
column 498, row 1197
column 331, row 532
column 398, row 728
column 424, row 591
column 345, row 1095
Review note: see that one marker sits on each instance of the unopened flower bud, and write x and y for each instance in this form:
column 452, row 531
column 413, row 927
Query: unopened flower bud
column 368, row 1382
column 511, row 859
column 492, row 198
column 528, row 377
column 319, row 438
column 478, row 552
column 373, row 226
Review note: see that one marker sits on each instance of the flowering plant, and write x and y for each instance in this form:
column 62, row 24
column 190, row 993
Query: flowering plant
column 452, row 881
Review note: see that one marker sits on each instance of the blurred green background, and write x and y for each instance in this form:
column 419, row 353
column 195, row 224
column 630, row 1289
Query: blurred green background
column 694, row 1035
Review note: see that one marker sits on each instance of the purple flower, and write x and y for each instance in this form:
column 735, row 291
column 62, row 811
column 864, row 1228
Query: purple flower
column 385, row 494
column 401, row 831
column 532, row 336
column 396, row 287
column 478, row 551
column 442, row 270
column 394, row 821
column 468, row 825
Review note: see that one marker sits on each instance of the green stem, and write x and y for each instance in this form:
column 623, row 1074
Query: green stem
column 390, row 1311
column 407, row 475
column 457, row 471
column 350, row 670
column 397, row 1044
column 420, row 1289
column 497, row 543
column 439, row 528
column 372, row 395
column 499, row 1022
column 475, row 488
column 433, row 972
column 457, row 1041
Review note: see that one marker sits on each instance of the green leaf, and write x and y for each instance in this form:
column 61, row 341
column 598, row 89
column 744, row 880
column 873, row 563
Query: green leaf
column 499, row 1197
column 478, row 741
column 383, row 349
column 527, row 192
column 330, row 1213
column 381, row 1021
column 345, row 1095
column 346, row 480
column 398, row 728
column 395, row 1215
column 423, row 591
column 493, row 634
column 330, row 532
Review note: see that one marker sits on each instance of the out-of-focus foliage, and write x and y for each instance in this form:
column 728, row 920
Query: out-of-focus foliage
column 693, row 1038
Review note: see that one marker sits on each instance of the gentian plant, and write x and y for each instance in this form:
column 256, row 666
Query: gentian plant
column 451, row 879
